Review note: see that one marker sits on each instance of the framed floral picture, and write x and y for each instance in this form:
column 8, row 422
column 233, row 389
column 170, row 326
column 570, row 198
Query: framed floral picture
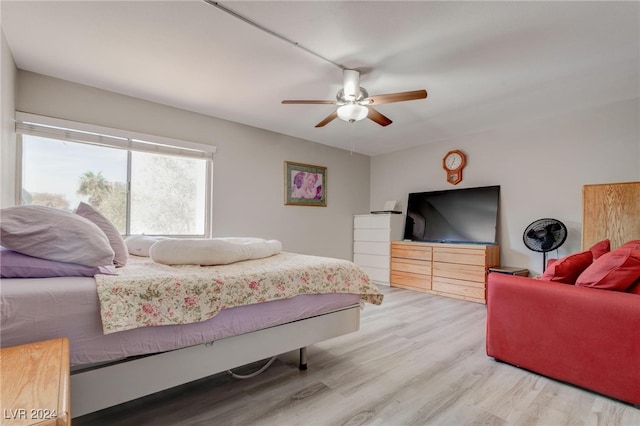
column 305, row 185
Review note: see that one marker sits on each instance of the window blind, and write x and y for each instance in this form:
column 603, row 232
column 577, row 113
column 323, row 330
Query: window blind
column 55, row 128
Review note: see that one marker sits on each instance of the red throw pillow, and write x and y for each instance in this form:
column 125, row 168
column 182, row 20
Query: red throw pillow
column 617, row 270
column 633, row 244
column 567, row 269
column 600, row 248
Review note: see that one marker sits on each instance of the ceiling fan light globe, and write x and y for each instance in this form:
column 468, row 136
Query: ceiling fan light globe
column 352, row 112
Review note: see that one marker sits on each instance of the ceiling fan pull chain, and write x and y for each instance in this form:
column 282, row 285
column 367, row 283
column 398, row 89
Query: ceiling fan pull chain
column 352, row 137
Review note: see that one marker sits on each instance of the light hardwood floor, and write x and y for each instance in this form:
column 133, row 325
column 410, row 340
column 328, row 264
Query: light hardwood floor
column 418, row 359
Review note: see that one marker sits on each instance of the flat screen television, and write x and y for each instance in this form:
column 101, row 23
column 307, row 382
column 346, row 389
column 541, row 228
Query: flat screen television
column 468, row 215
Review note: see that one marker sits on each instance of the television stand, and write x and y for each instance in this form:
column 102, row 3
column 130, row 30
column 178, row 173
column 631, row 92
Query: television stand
column 452, row 270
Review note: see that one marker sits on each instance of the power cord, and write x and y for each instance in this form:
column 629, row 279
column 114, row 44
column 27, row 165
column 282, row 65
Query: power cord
column 255, row 373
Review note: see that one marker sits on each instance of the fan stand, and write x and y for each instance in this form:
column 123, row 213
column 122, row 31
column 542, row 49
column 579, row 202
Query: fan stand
column 544, row 261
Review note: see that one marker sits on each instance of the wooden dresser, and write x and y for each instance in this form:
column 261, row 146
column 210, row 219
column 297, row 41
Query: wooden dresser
column 35, row 383
column 452, row 270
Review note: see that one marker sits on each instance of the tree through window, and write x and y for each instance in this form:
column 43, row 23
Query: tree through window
column 167, row 193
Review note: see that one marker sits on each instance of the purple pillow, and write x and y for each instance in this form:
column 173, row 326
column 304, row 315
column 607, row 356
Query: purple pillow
column 115, row 239
column 18, row 265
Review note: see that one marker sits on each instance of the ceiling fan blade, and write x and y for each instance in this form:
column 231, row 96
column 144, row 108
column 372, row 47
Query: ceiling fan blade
column 294, row 101
column 395, row 97
column 378, row 117
column 328, row 119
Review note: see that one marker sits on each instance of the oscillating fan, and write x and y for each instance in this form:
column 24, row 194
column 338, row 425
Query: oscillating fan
column 544, row 235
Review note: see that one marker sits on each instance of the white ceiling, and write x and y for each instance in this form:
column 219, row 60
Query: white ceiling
column 484, row 64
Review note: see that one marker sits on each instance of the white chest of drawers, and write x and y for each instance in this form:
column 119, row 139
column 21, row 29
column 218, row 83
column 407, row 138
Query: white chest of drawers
column 372, row 236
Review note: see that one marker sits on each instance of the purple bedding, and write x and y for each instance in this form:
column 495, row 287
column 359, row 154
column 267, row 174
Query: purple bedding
column 45, row 308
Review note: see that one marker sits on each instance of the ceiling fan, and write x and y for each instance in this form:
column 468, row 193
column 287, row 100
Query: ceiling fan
column 355, row 103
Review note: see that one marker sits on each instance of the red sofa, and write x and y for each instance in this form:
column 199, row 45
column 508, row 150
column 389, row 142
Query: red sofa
column 584, row 336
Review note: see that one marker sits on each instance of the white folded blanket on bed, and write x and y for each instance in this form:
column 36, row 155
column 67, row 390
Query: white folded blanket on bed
column 211, row 251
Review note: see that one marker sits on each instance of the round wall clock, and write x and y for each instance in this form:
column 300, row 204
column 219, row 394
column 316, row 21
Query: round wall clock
column 453, row 163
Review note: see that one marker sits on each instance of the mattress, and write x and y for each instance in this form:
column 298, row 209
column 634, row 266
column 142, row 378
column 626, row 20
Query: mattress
column 44, row 308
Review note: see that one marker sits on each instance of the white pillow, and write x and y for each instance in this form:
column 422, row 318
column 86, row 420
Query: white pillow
column 212, row 251
column 139, row 245
column 115, row 239
column 54, row 234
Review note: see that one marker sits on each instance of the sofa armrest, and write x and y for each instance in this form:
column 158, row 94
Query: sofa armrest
column 584, row 336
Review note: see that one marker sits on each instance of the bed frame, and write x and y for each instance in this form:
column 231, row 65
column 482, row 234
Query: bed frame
column 106, row 386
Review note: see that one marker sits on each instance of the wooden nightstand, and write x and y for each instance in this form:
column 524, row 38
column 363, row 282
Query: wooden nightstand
column 510, row 271
column 35, row 383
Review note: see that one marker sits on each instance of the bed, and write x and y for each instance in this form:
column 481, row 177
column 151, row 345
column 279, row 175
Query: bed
column 148, row 314
column 146, row 350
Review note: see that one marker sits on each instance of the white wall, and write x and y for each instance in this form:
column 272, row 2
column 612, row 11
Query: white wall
column 248, row 185
column 7, row 124
column 540, row 167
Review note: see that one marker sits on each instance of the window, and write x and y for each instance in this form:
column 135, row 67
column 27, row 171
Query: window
column 142, row 186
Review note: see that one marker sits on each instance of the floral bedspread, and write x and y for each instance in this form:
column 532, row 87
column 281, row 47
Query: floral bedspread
column 145, row 293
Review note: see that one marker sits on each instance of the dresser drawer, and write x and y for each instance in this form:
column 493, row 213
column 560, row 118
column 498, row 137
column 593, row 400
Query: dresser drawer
column 372, row 222
column 458, row 288
column 372, row 260
column 410, row 265
column 371, row 235
column 406, row 279
column 407, row 251
column 459, row 256
column 372, row 247
column 460, row 272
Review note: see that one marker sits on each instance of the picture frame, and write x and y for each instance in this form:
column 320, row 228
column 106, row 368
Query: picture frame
column 305, row 185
